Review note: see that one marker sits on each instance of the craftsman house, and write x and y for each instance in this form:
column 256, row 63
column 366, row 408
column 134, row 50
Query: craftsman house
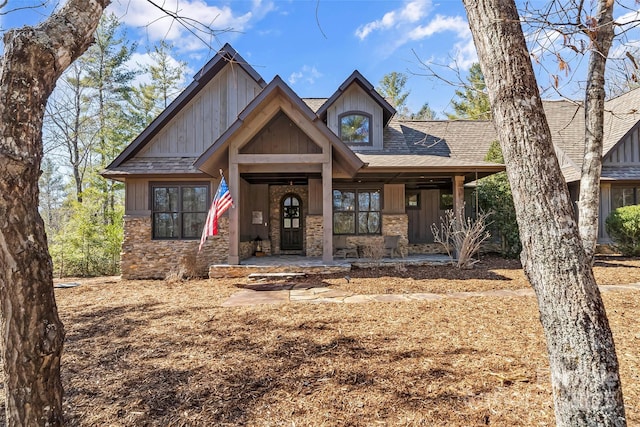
column 305, row 174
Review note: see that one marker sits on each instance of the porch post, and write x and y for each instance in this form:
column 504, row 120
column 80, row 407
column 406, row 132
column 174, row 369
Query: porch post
column 327, row 211
column 234, row 214
column 458, row 194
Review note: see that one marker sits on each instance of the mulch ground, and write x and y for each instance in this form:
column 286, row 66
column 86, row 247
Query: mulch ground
column 153, row 353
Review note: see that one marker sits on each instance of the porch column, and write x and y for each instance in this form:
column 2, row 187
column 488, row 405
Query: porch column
column 458, row 194
column 234, row 214
column 327, row 211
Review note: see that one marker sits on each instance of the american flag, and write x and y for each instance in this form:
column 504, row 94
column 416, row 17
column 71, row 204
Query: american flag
column 221, row 202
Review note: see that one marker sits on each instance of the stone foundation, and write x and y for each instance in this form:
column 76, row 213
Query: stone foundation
column 426, row 248
column 145, row 258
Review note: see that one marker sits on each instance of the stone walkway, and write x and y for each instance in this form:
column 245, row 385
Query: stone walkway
column 255, row 294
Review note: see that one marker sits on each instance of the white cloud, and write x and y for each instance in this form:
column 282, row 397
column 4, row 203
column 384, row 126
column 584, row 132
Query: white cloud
column 409, row 13
column 159, row 25
column 307, row 74
column 629, row 18
column 440, row 24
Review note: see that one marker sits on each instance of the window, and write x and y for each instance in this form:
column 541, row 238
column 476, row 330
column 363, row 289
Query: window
column 356, row 212
column 623, row 196
column 179, row 210
column 412, row 200
column 446, row 199
column 355, row 128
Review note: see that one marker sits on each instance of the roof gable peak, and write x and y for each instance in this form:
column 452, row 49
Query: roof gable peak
column 357, row 78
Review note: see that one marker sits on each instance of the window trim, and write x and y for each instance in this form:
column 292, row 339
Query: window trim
column 180, row 185
column 356, row 113
column 356, row 211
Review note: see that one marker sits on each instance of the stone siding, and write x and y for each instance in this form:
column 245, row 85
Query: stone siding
column 426, row 248
column 397, row 225
column 145, row 258
column 276, row 193
column 313, row 231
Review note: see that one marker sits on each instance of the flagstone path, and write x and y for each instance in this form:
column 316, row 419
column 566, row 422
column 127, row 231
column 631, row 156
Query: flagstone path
column 291, row 293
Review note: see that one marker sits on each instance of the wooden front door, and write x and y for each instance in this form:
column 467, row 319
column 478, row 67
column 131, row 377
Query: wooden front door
column 291, row 224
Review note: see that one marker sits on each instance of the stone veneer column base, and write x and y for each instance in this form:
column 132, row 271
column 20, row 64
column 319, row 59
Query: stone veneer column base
column 313, row 230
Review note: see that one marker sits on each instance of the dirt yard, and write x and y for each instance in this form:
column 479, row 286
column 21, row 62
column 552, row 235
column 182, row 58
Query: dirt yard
column 152, row 353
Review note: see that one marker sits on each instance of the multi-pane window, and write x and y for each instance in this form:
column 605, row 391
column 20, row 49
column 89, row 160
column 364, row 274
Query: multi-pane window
column 355, row 128
column 356, row 212
column 624, row 196
column 179, row 210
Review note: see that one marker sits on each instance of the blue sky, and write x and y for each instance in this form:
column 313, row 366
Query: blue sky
column 315, row 45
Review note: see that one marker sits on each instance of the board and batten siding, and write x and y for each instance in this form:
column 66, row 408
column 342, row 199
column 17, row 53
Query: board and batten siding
column 205, row 117
column 393, row 199
column 357, row 100
column 137, row 197
column 626, row 152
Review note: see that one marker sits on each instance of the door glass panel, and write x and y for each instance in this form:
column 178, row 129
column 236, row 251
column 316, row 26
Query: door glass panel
column 287, row 223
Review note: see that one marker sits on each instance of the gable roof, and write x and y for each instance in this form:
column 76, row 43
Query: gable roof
column 226, row 55
column 278, row 86
column 567, row 124
column 387, row 109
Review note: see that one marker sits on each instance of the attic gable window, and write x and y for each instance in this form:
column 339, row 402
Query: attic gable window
column 355, row 128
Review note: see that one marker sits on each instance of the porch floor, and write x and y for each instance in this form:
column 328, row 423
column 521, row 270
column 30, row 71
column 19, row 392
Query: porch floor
column 315, row 265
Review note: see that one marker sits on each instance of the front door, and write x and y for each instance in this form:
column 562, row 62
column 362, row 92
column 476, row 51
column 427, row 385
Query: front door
column 291, row 225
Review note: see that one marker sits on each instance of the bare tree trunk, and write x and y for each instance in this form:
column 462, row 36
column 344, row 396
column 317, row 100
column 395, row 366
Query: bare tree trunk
column 584, row 367
column 601, row 38
column 32, row 332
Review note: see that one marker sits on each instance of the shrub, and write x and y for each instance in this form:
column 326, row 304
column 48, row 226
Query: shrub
column 463, row 235
column 623, row 226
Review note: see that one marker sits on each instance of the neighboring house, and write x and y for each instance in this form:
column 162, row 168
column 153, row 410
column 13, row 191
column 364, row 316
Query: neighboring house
column 302, row 171
column 620, row 181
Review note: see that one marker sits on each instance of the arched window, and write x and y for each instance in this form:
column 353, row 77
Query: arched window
column 355, row 128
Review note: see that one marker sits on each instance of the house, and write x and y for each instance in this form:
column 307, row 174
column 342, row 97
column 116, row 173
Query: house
column 620, row 180
column 301, row 171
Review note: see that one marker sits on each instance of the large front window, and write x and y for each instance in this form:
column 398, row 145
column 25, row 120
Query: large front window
column 356, row 212
column 179, row 210
column 355, row 128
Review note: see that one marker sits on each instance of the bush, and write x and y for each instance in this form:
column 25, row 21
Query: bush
column 494, row 195
column 623, row 226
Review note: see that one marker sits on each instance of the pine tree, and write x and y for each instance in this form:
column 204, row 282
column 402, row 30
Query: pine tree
column 391, row 87
column 473, row 101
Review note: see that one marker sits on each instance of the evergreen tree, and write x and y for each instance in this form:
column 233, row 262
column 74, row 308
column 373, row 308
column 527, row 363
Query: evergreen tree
column 110, row 80
column 392, row 89
column 473, row 101
column 425, row 113
column 148, row 100
column 494, row 195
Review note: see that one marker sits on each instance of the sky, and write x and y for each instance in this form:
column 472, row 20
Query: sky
column 313, row 45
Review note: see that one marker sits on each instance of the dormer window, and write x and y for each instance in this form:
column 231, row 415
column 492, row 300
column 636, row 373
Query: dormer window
column 355, row 128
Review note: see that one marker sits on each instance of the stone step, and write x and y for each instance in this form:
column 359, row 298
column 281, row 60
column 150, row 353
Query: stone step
column 281, row 275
